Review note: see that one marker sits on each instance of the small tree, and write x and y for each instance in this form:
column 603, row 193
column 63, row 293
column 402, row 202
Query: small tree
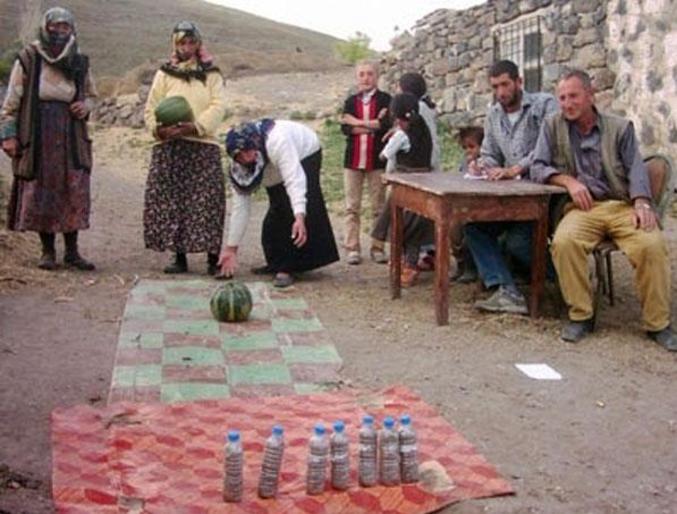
column 355, row 48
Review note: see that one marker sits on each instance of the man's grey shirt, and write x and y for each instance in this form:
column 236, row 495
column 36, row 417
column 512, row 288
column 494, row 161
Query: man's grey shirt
column 506, row 144
column 587, row 150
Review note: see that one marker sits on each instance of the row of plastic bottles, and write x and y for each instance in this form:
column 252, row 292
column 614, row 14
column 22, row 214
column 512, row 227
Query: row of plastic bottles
column 388, row 456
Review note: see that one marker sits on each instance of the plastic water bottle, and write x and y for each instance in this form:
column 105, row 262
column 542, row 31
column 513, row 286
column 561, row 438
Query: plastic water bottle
column 317, row 461
column 232, row 472
column 408, row 451
column 389, row 454
column 272, row 461
column 340, row 463
column 366, row 469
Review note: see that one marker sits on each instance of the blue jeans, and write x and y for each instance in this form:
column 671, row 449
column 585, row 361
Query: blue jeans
column 489, row 254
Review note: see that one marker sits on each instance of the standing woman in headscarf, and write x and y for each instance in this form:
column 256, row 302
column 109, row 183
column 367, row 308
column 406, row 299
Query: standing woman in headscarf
column 43, row 130
column 285, row 157
column 185, row 200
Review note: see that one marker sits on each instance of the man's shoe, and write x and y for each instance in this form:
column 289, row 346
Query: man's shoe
column 354, row 258
column 77, row 261
column 666, row 338
column 378, row 256
column 574, row 331
column 504, row 301
column 47, row 261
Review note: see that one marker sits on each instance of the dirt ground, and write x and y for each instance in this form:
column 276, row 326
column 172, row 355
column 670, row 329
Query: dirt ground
column 602, row 440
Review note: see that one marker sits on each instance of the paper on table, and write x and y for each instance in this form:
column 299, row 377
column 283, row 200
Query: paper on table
column 475, row 177
column 539, row 371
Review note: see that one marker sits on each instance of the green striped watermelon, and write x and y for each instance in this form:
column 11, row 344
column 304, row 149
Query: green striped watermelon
column 231, row 303
column 172, row 110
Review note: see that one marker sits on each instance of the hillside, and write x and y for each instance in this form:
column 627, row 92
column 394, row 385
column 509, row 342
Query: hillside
column 122, row 34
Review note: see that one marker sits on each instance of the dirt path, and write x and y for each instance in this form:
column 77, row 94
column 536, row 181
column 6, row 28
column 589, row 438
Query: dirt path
column 603, row 440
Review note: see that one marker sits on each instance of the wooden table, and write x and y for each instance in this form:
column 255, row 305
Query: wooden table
column 448, row 197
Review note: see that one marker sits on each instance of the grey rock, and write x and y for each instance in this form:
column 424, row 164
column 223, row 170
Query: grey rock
column 586, row 37
column 654, row 81
column 585, row 6
column 591, row 56
column 603, row 79
column 647, row 135
column 665, row 110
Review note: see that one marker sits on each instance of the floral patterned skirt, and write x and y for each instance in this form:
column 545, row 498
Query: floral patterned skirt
column 185, row 200
column 57, row 199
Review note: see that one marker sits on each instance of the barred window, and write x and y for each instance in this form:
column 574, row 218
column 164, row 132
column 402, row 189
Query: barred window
column 520, row 42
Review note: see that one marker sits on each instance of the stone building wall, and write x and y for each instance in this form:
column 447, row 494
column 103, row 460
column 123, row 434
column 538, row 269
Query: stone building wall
column 643, row 51
column 628, row 46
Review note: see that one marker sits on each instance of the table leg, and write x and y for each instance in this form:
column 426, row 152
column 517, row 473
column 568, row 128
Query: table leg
column 539, row 251
column 396, row 240
column 442, row 271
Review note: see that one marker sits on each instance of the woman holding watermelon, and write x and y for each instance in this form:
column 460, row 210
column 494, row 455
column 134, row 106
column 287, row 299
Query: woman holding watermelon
column 185, row 199
column 285, row 157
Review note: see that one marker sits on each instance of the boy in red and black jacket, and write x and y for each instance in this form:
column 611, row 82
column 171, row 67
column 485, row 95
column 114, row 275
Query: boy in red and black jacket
column 364, row 121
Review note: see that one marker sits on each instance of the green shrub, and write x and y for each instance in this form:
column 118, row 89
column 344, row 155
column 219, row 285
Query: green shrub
column 7, row 58
column 451, row 151
column 333, row 148
column 355, row 48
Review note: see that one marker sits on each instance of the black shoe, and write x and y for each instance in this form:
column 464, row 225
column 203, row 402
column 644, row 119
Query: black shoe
column 262, row 270
column 574, row 331
column 77, row 261
column 178, row 265
column 212, row 264
column 666, row 338
column 47, row 261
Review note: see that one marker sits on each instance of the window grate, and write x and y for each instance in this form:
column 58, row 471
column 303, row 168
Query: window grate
column 521, row 43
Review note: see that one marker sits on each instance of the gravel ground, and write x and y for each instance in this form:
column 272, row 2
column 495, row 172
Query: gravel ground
column 602, row 440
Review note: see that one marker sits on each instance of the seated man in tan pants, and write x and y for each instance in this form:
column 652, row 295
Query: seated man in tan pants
column 595, row 156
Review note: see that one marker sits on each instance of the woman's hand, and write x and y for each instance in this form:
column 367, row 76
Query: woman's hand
column 228, row 261
column 11, row 147
column 78, row 110
column 298, row 230
column 181, row 129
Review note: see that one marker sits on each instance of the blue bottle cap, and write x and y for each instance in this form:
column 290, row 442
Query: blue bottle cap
column 278, row 430
column 405, row 419
column 233, row 436
column 319, row 429
column 339, row 426
column 389, row 422
column 368, row 420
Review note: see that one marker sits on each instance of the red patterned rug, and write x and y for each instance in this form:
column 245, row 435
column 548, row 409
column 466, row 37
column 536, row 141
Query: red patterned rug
column 155, row 458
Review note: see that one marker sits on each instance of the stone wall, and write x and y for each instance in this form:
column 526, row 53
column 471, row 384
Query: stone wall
column 643, row 50
column 628, row 46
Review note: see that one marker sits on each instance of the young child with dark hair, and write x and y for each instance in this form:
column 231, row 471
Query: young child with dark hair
column 408, row 150
column 470, row 138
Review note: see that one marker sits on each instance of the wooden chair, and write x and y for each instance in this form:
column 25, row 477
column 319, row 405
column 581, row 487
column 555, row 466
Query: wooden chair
column 661, row 179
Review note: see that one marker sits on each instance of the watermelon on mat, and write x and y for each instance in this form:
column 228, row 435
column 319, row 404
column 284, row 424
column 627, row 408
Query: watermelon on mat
column 231, row 302
column 173, row 110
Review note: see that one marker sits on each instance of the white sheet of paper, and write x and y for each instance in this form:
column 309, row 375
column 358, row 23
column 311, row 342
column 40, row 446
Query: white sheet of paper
column 539, row 371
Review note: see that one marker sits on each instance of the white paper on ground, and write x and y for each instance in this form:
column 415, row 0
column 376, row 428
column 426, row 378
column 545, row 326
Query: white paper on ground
column 539, row 371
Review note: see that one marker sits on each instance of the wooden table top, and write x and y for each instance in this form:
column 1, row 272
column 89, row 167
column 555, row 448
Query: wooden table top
column 442, row 184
